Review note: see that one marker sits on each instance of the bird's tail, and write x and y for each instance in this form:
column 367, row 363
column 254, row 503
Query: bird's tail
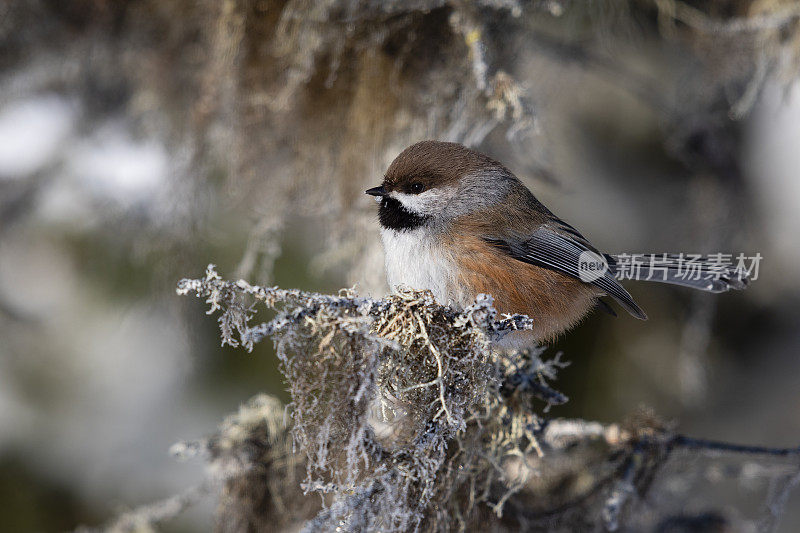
column 706, row 273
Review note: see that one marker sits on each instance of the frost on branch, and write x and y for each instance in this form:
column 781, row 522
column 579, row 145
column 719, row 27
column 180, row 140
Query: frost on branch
column 421, row 370
column 403, row 417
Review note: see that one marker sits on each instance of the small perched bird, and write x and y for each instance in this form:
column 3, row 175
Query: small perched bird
column 459, row 223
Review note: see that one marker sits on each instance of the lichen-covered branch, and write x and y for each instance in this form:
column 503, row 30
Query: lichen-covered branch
column 406, row 417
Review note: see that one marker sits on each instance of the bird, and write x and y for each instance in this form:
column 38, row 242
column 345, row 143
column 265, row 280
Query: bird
column 458, row 223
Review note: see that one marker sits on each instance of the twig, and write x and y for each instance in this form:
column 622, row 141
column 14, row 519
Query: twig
column 142, row 518
column 693, row 17
column 711, row 445
column 622, row 491
column 439, row 370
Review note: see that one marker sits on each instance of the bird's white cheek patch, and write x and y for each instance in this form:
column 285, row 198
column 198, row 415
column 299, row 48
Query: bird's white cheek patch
column 425, row 203
column 413, row 202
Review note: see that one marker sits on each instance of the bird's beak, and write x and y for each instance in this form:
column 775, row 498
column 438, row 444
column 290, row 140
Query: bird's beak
column 376, row 191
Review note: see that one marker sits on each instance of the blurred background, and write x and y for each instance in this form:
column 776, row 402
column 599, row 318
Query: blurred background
column 141, row 140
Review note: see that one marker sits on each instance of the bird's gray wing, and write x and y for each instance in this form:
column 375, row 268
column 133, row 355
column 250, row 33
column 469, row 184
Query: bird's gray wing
column 558, row 246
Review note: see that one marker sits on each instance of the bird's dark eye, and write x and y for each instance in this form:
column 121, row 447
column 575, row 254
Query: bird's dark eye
column 416, row 188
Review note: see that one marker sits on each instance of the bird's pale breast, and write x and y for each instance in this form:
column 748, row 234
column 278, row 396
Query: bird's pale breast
column 415, row 259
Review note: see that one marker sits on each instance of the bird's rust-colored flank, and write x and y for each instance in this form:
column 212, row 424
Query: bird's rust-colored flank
column 556, row 300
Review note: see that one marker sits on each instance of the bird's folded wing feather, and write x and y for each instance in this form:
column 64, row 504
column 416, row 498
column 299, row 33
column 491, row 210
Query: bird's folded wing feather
column 558, row 246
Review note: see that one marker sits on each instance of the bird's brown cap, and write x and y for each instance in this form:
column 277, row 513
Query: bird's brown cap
column 434, row 164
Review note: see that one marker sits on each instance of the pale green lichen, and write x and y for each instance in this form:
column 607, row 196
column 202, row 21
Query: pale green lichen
column 457, row 410
column 404, row 416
